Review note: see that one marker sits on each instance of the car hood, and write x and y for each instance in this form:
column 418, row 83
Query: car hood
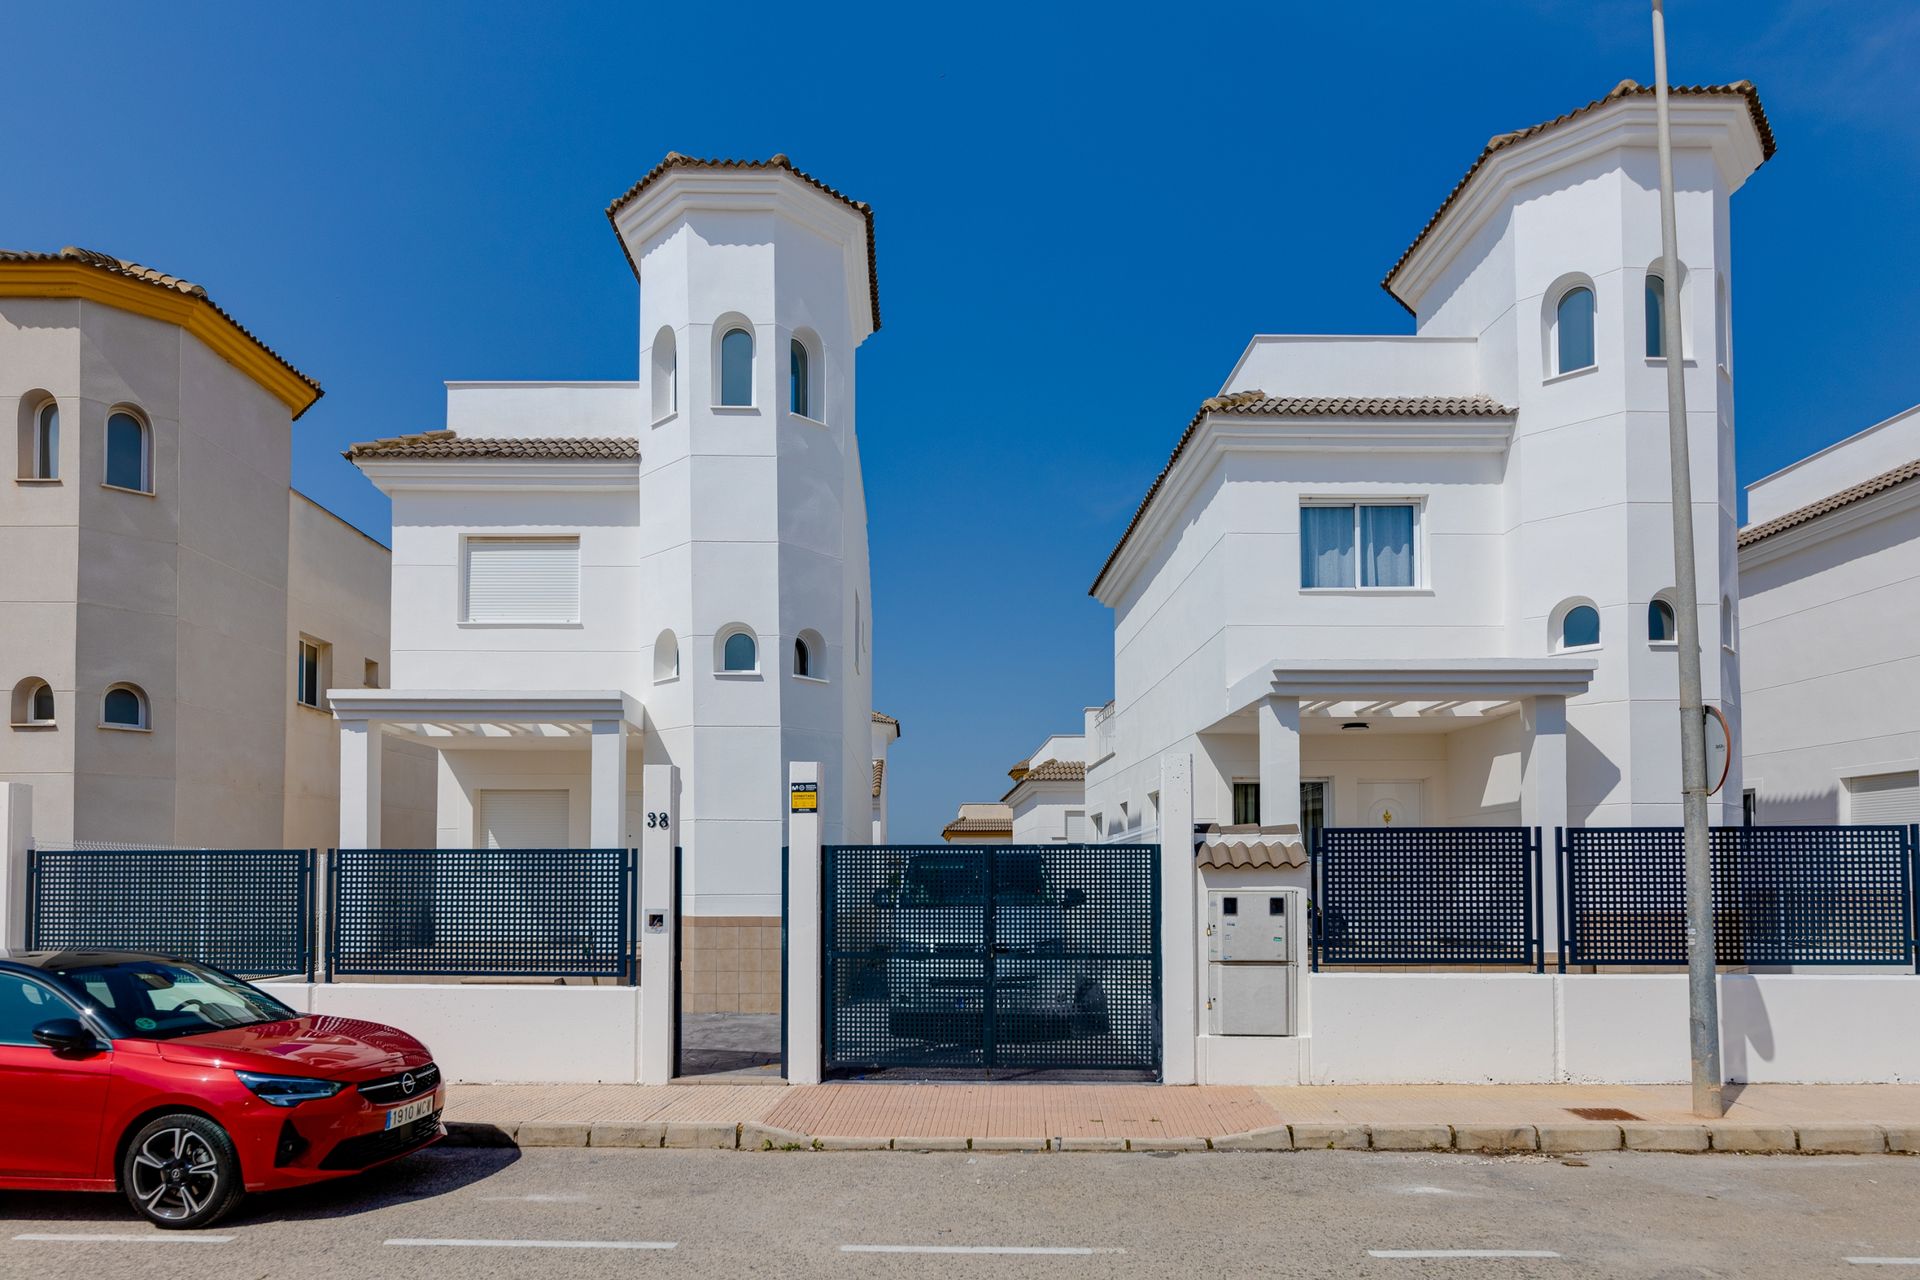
column 315, row 1043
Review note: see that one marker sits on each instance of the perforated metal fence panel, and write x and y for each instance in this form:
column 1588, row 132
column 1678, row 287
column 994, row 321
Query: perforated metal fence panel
column 1427, row 895
column 547, row 913
column 248, row 911
column 1781, row 895
column 1013, row 957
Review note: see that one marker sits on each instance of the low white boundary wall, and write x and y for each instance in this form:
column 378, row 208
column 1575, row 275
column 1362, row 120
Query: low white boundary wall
column 497, row 1033
column 1628, row 1029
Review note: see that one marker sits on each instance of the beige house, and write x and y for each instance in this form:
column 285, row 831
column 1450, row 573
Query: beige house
column 163, row 593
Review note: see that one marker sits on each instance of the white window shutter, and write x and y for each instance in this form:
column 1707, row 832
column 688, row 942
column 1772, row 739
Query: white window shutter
column 523, row 580
column 1884, row 798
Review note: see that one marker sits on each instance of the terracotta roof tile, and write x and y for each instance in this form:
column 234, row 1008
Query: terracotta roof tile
column 879, row 777
column 1260, row 404
column 978, row 827
column 674, row 160
column 111, row 265
column 1045, row 771
column 881, row 717
column 1846, row 497
column 1625, row 89
column 445, row 444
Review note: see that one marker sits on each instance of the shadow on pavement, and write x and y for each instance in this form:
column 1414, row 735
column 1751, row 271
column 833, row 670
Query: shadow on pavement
column 437, row 1171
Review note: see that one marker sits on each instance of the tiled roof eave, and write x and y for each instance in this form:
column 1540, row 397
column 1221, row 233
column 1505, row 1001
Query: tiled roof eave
column 1886, row 480
column 447, row 446
column 1625, row 89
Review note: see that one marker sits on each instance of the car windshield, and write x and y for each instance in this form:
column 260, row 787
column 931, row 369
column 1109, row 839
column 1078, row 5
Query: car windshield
column 166, row 999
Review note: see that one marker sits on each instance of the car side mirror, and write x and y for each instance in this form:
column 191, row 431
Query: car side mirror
column 66, row 1036
column 1073, row 898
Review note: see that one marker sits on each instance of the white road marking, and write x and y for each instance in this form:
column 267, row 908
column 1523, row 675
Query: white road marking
column 1885, row 1262
column 1461, row 1253
column 1029, row 1250
column 158, row 1237
column 535, row 1244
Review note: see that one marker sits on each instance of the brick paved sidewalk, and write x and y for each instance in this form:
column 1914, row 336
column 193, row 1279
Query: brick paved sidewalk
column 1564, row 1118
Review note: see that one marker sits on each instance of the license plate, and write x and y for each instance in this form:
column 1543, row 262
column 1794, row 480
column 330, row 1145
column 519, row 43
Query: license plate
column 408, row 1112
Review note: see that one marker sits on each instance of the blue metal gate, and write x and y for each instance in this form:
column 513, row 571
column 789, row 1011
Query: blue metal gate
column 1427, row 895
column 989, row 958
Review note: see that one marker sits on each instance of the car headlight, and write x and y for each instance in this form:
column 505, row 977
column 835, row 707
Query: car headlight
column 288, row 1091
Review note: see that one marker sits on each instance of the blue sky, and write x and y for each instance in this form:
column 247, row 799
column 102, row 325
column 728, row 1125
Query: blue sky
column 1079, row 225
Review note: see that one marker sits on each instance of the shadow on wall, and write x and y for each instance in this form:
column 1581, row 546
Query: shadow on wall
column 1587, row 762
column 1796, row 808
column 1746, row 1030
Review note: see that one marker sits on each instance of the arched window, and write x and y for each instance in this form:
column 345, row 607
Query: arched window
column 1723, row 340
column 124, row 707
column 810, row 656
column 1662, row 628
column 666, row 656
column 32, row 703
column 666, row 374
column 1580, row 627
column 45, row 462
column 739, row 652
column 1728, row 627
column 802, row 658
column 1573, row 330
column 799, row 398
column 1656, row 317
column 129, row 453
column 736, row 368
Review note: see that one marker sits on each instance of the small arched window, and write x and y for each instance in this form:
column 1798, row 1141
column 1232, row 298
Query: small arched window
column 33, row 703
column 1573, row 330
column 1656, row 317
column 1723, row 340
column 1728, row 627
column 1662, row 628
column 129, row 453
column 736, row 368
column 802, row 658
column 740, row 652
column 666, row 656
column 1580, row 627
column 666, row 374
column 46, row 442
column 124, row 707
column 798, row 399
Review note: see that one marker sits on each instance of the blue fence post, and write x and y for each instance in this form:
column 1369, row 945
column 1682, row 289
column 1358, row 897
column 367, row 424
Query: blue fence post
column 33, row 899
column 1313, row 901
column 1561, row 888
column 1538, row 900
column 1913, row 895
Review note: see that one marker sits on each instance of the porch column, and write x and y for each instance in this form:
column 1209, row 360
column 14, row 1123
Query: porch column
column 659, row 908
column 360, row 743
column 1279, row 761
column 1543, row 787
column 1180, row 991
column 16, row 834
column 607, row 787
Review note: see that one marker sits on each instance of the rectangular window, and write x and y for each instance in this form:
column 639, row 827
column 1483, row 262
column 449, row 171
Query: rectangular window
column 1246, row 804
column 308, row 679
column 523, row 580
column 1349, row 546
column 1076, row 826
column 372, row 675
column 1749, row 807
column 1883, row 798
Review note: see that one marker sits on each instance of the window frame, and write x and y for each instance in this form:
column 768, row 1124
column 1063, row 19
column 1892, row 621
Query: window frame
column 724, row 639
column 145, row 723
column 1557, row 635
column 43, row 467
column 1420, row 584
column 799, row 379
column 22, row 714
column 139, row 419
column 1673, row 621
column 1559, row 366
column 316, row 674
column 720, row 400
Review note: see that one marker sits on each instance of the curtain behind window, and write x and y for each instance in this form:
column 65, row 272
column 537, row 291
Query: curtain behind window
column 1386, row 539
column 1326, row 546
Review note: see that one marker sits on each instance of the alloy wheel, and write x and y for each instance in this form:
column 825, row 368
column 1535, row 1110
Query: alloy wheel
column 175, row 1173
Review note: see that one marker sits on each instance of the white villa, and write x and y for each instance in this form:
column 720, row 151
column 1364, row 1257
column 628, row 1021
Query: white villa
column 671, row 570
column 1831, row 549
column 1424, row 580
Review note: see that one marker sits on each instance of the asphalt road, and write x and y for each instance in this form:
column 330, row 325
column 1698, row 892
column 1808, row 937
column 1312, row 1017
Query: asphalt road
column 471, row 1214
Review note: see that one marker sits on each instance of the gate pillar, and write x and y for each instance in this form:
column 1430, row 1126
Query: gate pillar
column 16, row 833
column 1179, row 925
column 802, row 1007
column 659, row 905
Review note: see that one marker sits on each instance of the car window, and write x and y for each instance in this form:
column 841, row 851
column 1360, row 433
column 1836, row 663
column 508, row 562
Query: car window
column 161, row 999
column 24, row 1005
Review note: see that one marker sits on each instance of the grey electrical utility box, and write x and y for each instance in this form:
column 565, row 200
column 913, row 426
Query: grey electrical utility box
column 1251, row 972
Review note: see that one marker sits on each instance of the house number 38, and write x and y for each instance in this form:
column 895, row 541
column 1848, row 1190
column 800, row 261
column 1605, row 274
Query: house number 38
column 656, row 819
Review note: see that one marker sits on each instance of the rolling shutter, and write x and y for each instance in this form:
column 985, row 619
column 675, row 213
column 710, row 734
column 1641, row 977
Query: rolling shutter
column 1884, row 797
column 523, row 580
column 520, row 820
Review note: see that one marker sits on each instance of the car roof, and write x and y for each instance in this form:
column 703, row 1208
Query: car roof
column 71, row 959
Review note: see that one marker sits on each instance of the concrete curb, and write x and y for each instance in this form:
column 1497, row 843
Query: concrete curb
column 1465, row 1139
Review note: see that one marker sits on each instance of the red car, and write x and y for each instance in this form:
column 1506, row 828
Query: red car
column 186, row 1088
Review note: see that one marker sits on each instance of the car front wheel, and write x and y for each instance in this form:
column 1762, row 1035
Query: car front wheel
column 180, row 1171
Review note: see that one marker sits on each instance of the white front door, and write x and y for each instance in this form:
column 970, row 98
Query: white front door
column 520, row 820
column 1390, row 804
